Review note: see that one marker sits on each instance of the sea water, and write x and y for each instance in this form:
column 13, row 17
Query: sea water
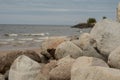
column 24, row 36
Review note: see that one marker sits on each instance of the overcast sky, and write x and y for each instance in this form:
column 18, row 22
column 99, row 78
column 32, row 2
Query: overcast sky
column 55, row 11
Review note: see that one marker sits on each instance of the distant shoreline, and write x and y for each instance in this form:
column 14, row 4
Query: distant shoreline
column 35, row 25
column 83, row 25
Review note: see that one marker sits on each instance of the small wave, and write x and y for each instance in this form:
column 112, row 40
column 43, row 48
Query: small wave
column 47, row 33
column 20, row 42
column 11, row 35
column 38, row 34
column 34, row 34
column 37, row 40
column 43, row 38
column 26, row 39
column 26, row 34
column 7, row 40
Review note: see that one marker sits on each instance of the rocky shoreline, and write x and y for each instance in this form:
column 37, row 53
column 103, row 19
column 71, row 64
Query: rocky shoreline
column 83, row 25
column 90, row 56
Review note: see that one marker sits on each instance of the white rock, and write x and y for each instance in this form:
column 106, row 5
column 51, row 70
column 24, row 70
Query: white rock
column 96, row 73
column 87, row 61
column 106, row 33
column 76, row 42
column 114, row 58
column 86, row 39
column 88, row 44
column 67, row 48
column 24, row 68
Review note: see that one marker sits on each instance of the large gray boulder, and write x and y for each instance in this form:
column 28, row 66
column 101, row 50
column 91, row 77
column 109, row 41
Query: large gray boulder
column 88, row 45
column 96, row 73
column 24, row 68
column 65, row 60
column 76, row 42
column 90, row 68
column 106, row 33
column 63, row 69
column 67, row 48
column 86, row 40
column 114, row 58
column 87, row 61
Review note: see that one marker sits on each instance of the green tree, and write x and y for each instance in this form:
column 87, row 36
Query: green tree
column 91, row 21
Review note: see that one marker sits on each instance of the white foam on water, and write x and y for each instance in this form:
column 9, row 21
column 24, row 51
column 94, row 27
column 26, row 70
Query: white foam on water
column 7, row 40
column 37, row 40
column 38, row 34
column 42, row 38
column 13, row 35
column 47, row 33
column 21, row 42
column 34, row 34
column 26, row 34
column 25, row 39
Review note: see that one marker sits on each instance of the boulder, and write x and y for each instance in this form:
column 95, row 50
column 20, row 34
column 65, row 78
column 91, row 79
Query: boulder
column 96, row 73
column 114, row 58
column 49, row 45
column 76, row 42
column 87, row 61
column 65, row 60
column 63, row 70
column 88, row 45
column 24, row 68
column 106, row 33
column 40, row 76
column 1, row 77
column 7, row 60
column 48, row 67
column 67, row 48
column 52, row 43
column 86, row 39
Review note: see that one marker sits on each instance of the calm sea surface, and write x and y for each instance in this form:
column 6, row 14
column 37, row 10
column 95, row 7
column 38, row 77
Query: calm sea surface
column 23, row 36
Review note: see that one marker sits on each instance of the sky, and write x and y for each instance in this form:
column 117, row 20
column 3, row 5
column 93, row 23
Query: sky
column 55, row 12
